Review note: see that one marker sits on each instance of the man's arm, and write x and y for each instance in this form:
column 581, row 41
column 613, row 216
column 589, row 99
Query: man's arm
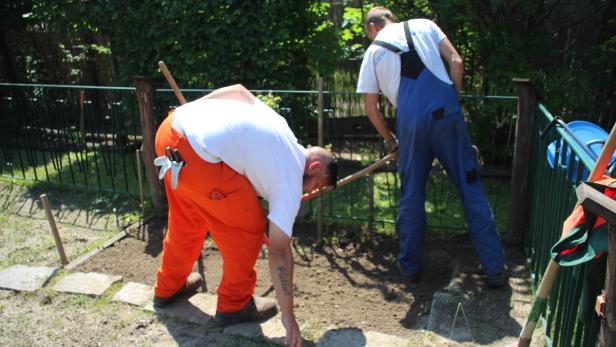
column 376, row 117
column 281, row 270
column 453, row 59
column 235, row 92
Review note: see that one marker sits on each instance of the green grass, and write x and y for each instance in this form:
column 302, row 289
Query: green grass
column 350, row 204
column 99, row 170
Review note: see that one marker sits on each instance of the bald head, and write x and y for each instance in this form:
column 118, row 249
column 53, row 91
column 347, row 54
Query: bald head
column 380, row 16
column 376, row 19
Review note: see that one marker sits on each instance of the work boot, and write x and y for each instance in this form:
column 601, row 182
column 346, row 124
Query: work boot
column 193, row 282
column 406, row 277
column 499, row 280
column 262, row 309
column 496, row 281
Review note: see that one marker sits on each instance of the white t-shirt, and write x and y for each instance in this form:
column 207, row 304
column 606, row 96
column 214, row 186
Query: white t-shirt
column 256, row 142
column 380, row 68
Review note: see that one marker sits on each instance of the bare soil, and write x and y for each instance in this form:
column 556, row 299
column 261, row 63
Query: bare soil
column 352, row 284
column 344, row 283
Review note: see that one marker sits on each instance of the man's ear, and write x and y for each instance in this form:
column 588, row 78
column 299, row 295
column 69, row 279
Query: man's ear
column 315, row 165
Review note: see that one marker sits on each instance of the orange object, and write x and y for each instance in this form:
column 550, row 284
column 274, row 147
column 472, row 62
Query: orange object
column 215, row 198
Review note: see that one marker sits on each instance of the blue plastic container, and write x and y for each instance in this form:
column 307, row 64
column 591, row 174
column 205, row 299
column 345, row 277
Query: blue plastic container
column 587, row 134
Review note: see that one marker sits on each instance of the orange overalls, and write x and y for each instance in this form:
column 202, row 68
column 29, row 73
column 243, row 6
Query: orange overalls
column 210, row 197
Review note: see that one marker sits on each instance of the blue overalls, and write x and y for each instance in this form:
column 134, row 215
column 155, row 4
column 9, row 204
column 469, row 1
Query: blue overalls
column 429, row 124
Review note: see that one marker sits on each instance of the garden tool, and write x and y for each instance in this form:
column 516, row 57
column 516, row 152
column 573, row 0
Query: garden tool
column 170, row 161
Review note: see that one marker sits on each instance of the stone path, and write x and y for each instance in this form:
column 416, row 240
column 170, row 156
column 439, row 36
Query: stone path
column 198, row 309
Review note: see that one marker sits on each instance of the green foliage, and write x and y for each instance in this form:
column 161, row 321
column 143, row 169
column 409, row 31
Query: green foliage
column 209, row 43
column 270, row 100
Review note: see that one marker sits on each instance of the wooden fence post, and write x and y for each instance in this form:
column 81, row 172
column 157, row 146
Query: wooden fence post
column 145, row 96
column 518, row 214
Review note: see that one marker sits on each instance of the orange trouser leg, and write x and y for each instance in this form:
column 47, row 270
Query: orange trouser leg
column 185, row 230
column 233, row 215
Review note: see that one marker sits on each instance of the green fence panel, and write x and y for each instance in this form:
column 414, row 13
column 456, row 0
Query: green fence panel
column 552, row 198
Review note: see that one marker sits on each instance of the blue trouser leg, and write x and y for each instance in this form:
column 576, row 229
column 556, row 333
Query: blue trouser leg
column 414, row 162
column 452, row 147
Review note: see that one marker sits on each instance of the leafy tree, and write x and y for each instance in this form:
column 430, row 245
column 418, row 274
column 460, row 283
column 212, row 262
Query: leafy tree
column 265, row 44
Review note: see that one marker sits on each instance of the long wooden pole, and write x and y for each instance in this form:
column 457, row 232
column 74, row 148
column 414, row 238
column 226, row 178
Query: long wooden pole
column 352, row 178
column 54, row 229
column 552, row 270
column 171, row 81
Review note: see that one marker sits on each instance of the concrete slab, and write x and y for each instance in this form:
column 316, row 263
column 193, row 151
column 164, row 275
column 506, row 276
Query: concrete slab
column 25, row 278
column 351, row 337
column 198, row 309
column 91, row 283
column 135, row 294
column 442, row 315
column 271, row 329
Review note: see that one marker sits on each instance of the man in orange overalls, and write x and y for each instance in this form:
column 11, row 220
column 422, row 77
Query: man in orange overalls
column 217, row 154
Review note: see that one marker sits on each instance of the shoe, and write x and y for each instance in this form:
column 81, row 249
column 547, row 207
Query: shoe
column 408, row 278
column 253, row 311
column 497, row 281
column 193, row 282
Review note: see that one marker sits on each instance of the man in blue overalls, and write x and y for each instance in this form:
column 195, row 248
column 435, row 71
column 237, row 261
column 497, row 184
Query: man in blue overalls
column 405, row 62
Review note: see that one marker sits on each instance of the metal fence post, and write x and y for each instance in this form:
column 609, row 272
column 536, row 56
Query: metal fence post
column 145, row 97
column 320, row 142
column 518, row 214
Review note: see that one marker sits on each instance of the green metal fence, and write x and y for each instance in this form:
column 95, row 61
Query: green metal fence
column 86, row 137
column 552, row 198
column 78, row 136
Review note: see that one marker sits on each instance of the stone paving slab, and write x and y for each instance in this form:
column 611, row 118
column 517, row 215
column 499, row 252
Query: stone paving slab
column 198, row 309
column 91, row 283
column 351, row 337
column 25, row 278
column 135, row 294
column 272, row 329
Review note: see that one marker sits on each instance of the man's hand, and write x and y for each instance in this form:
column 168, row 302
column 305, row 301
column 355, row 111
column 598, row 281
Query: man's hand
column 294, row 337
column 281, row 270
column 391, row 145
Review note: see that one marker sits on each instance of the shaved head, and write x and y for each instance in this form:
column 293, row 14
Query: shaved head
column 379, row 15
column 321, row 169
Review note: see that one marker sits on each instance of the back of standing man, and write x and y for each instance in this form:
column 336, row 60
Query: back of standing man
column 405, row 63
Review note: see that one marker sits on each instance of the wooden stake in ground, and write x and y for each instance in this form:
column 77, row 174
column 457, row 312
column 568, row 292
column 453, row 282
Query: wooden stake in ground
column 54, row 229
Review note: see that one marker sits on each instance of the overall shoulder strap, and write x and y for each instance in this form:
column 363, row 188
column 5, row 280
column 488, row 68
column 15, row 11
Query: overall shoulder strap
column 409, row 37
column 387, row 46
